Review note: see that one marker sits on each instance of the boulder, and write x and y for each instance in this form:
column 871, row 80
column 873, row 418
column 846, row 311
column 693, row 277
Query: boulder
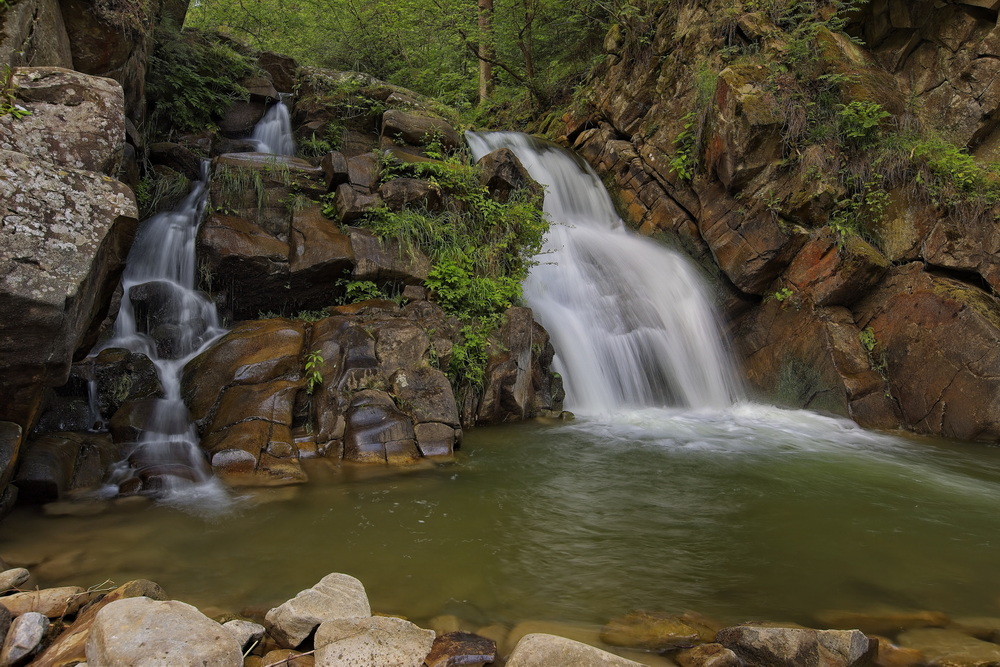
column 377, row 432
column 177, row 157
column 353, row 202
column 708, row 655
column 50, row 602
column 33, row 34
column 383, row 261
column 241, row 117
column 835, row 272
column 247, row 633
column 76, row 121
column 46, row 470
column 375, row 640
column 122, row 376
column 400, row 193
column 11, row 579
column 65, row 237
column 335, row 169
column 418, row 130
column 70, row 646
column 798, row 647
column 335, row 596
column 362, row 172
column 541, row 650
column 319, row 255
column 656, row 632
column 503, row 174
column 24, row 638
column 280, row 68
column 140, row 631
column 10, row 445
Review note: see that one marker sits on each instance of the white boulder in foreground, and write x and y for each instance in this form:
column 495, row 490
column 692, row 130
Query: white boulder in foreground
column 139, row 632
column 541, row 650
column 377, row 640
column 336, row 596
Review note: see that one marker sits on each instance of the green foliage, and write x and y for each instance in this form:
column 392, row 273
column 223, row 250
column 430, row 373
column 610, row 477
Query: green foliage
column 8, row 96
column 356, row 291
column 876, row 355
column 950, row 175
column 313, row 362
column 861, row 212
column 159, row 192
column 782, row 294
column 193, row 79
column 470, row 355
column 860, row 120
column 313, row 146
column 685, row 161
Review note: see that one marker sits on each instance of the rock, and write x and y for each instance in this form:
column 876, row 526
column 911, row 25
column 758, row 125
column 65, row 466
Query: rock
column 377, row 432
column 418, row 130
column 503, row 174
column 241, row 117
column 281, row 69
column 65, row 236
column 797, row 647
column 77, row 121
column 362, row 172
column 888, row 622
column 10, row 445
column 541, row 650
column 260, row 88
column 10, row 579
column 289, row 657
column 140, row 631
column 70, row 646
column 383, row 262
column 655, row 632
column 319, row 255
column 50, row 602
column 375, row 640
column 950, row 648
column 336, row 596
column 400, row 193
column 123, row 376
column 247, row 634
column 335, row 170
column 891, row 655
column 177, row 157
column 461, row 648
column 33, row 34
column 353, row 202
column 436, row 439
column 833, row 272
column 46, row 470
column 24, row 638
column 708, row 655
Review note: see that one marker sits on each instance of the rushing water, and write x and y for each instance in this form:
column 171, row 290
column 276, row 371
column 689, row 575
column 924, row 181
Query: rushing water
column 732, row 509
column 630, row 319
column 273, row 134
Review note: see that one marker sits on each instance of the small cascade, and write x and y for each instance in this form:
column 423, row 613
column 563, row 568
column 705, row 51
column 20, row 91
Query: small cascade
column 273, row 134
column 164, row 317
column 631, row 320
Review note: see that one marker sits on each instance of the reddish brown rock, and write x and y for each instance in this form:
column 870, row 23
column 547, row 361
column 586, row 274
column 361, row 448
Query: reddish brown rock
column 461, row 648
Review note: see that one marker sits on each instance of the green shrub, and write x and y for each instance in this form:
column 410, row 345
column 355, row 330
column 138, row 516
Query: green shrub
column 860, row 120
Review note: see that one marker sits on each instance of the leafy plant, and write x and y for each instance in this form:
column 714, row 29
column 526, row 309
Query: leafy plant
column 860, row 120
column 684, row 161
column 8, row 96
column 313, row 362
column 356, row 291
column 876, row 354
column 313, row 146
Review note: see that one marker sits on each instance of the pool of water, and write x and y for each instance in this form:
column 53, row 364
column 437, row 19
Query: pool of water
column 748, row 513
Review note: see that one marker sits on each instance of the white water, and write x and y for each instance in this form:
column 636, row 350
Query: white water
column 630, row 319
column 273, row 134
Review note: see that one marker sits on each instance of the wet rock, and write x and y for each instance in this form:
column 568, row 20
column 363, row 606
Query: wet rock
column 280, row 68
column 836, row 272
column 139, row 630
column 436, row 439
column 65, row 236
column 461, row 648
column 375, row 640
column 247, row 634
column 241, row 117
column 10, row 579
column 177, row 157
column 123, row 376
column 10, row 444
column 362, row 172
column 377, row 432
column 946, row 648
column 889, row 622
column 319, row 255
column 50, row 602
column 335, row 171
column 503, row 174
column 77, row 121
column 24, row 638
column 891, row 655
column 418, row 130
column 353, row 202
column 797, row 647
column 336, row 596
column 655, row 632
column 70, row 646
column 708, row 655
column 541, row 650
column 46, row 469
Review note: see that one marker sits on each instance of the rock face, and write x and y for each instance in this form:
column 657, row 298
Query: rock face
column 66, row 228
column 140, row 631
column 33, row 34
column 810, row 269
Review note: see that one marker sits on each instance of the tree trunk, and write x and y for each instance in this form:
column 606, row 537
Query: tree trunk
column 486, row 51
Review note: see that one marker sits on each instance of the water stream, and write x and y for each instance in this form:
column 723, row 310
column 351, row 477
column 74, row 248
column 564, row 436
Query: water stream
column 273, row 133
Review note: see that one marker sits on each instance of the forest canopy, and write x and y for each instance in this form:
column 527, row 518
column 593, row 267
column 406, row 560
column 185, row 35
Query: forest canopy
column 536, row 50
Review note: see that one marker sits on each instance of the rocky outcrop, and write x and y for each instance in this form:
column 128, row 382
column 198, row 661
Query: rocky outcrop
column 33, row 34
column 707, row 146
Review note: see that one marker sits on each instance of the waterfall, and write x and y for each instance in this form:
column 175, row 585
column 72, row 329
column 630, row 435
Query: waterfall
column 164, row 317
column 631, row 320
column 273, row 134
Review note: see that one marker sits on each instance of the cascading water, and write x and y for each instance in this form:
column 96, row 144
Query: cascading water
column 630, row 319
column 273, row 134
column 164, row 317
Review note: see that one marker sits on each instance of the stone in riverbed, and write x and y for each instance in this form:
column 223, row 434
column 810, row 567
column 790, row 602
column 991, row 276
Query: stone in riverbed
column 656, row 632
column 336, row 596
column 23, row 638
column 247, row 633
column 51, row 602
column 888, row 622
column 461, row 648
column 139, row 631
column 376, row 640
column 798, row 647
column 708, row 655
column 13, row 578
column 951, row 648
column 286, row 657
column 541, row 650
